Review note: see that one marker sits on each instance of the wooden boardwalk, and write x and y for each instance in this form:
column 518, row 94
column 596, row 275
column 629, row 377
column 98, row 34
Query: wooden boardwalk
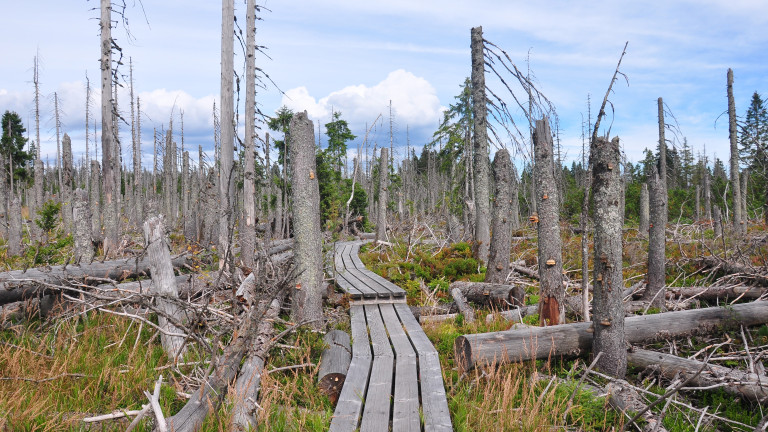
column 394, row 381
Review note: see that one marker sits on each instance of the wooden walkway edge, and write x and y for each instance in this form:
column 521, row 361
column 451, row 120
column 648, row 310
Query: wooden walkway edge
column 394, row 381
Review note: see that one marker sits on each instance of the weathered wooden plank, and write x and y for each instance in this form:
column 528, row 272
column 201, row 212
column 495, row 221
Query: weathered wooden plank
column 346, row 417
column 360, row 280
column 347, row 286
column 334, row 363
column 405, row 413
column 437, row 417
column 358, row 265
column 378, row 406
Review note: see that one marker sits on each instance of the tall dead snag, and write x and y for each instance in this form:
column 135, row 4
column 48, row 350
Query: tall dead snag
column 93, row 197
column 498, row 259
column 190, row 215
column 14, row 227
column 226, row 161
column 608, row 309
column 645, row 210
column 662, row 146
column 66, row 183
column 81, row 216
column 307, row 293
column 551, row 289
column 479, row 111
column 164, row 284
column 248, row 231
column 739, row 226
column 108, row 155
column 657, row 240
column 381, row 213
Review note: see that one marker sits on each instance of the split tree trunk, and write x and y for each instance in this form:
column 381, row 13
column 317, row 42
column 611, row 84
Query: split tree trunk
column 307, row 293
column 482, row 187
column 381, row 214
column 657, row 240
column 577, row 338
column 551, row 288
column 498, row 259
column 608, row 309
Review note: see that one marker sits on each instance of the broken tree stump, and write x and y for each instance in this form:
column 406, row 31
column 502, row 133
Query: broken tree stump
column 575, row 339
column 464, row 308
column 334, row 363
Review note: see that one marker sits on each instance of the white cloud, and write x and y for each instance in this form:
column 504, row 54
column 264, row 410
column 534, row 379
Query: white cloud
column 414, row 101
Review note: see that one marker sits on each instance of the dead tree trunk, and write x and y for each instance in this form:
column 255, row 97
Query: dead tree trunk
column 248, row 230
column 718, row 221
column 645, row 209
column 81, row 215
column 498, row 259
column 66, row 183
column 482, row 187
column 14, row 227
column 189, row 205
column 108, row 155
column 307, row 293
column 657, row 240
column 164, row 284
column 608, row 309
column 514, row 209
column 381, row 214
column 744, row 183
column 748, row 386
column 491, row 294
column 551, row 289
column 577, row 338
column 93, row 199
column 227, row 165
column 739, row 227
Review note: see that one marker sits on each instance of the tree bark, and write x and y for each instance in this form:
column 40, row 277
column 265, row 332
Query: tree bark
column 14, row 227
column 608, row 309
column 482, row 187
column 657, row 241
column 227, row 165
column 551, row 288
column 81, row 215
column 739, row 227
column 93, row 199
column 164, row 284
column 334, row 363
column 718, row 221
column 307, row 293
column 645, row 210
column 748, row 386
column 461, row 303
column 498, row 259
column 577, row 338
column 662, row 147
column 381, row 214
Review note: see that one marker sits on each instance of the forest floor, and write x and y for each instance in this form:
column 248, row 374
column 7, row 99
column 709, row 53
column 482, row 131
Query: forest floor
column 58, row 370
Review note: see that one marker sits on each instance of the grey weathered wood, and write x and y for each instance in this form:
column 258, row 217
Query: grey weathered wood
column 461, row 303
column 405, row 410
column 748, row 386
column 739, row 223
column 350, row 405
column 657, row 242
column 717, row 292
column 164, row 284
column 306, row 301
column 377, row 409
column 381, row 213
column 334, row 363
column 377, row 282
column 248, row 232
column 498, row 295
column 551, row 288
column 576, row 338
column 498, row 258
column 66, row 183
column 190, row 229
column 93, row 199
column 109, row 156
column 14, row 226
column 480, row 148
column 437, row 417
column 644, row 210
column 81, row 215
column 226, row 160
column 717, row 216
column 607, row 306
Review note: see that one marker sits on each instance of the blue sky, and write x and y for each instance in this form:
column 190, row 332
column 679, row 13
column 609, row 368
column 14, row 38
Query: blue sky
column 356, row 56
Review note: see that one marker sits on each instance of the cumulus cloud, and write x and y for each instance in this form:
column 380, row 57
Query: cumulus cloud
column 414, row 100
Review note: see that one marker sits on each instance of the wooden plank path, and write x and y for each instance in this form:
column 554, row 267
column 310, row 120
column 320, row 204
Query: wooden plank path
column 394, row 380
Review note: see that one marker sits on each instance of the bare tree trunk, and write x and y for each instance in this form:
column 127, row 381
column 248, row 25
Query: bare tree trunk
column 498, row 258
column 190, row 206
column 94, row 200
column 718, row 221
column 608, row 310
column 514, row 202
column 482, row 188
column 167, row 174
column 662, row 147
column 381, row 214
column 14, row 228
column 739, row 227
column 551, row 289
column 66, row 183
column 109, row 158
column 164, row 284
column 4, row 200
column 698, row 203
column 248, row 236
column 708, row 195
column 82, row 220
column 744, row 184
column 226, row 168
column 307, row 295
column 657, row 241
column 645, row 209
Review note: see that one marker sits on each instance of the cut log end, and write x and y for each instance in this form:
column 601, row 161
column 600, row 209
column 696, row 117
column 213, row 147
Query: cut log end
column 331, row 384
column 462, row 350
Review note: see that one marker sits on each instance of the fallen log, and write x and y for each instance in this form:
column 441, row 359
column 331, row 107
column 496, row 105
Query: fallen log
column 533, row 274
column 744, row 272
column 464, row 308
column 748, row 386
column 334, row 363
column 717, row 292
column 433, row 319
column 491, row 294
column 18, row 285
column 575, row 339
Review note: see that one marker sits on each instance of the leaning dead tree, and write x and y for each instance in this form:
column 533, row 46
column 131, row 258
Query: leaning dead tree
column 551, row 289
column 608, row 285
column 307, row 301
